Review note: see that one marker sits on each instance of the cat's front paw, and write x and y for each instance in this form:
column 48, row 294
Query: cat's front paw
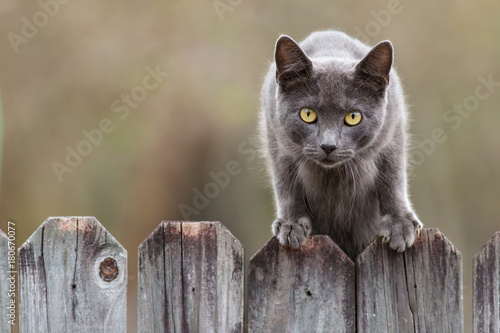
column 399, row 230
column 292, row 234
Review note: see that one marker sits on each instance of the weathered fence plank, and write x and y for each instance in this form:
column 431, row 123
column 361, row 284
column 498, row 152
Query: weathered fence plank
column 4, row 285
column 419, row 290
column 306, row 290
column 72, row 278
column 190, row 279
column 487, row 287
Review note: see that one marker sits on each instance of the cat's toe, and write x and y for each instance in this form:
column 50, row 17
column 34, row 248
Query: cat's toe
column 295, row 240
column 276, row 226
column 292, row 234
column 416, row 223
column 281, row 229
column 399, row 231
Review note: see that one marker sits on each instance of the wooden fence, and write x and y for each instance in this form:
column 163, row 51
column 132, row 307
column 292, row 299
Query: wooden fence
column 72, row 277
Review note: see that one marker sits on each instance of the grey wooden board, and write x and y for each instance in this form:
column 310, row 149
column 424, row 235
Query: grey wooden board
column 60, row 288
column 190, row 279
column 5, row 311
column 419, row 290
column 487, row 287
column 310, row 289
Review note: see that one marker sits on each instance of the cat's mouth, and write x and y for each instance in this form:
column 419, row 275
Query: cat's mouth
column 333, row 159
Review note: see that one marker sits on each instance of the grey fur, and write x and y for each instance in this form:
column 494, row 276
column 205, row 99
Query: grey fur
column 359, row 190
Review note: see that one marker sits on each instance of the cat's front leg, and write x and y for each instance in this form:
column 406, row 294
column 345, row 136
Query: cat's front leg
column 292, row 233
column 399, row 224
column 292, row 226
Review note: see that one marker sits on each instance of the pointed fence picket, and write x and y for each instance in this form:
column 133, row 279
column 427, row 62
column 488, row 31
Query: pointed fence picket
column 487, row 287
column 73, row 278
column 419, row 290
column 191, row 279
column 311, row 289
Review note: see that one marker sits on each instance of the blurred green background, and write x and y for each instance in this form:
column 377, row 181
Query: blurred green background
column 74, row 67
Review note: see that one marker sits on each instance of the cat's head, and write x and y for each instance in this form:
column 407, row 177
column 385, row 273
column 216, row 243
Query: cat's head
column 330, row 109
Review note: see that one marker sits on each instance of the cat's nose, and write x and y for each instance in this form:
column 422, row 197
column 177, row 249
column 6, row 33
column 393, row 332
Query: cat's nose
column 328, row 148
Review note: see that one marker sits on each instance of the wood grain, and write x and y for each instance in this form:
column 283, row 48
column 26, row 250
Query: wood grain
column 310, row 289
column 61, row 288
column 419, row 290
column 487, row 287
column 191, row 279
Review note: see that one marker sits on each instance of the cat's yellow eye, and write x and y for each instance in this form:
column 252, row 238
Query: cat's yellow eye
column 308, row 115
column 353, row 118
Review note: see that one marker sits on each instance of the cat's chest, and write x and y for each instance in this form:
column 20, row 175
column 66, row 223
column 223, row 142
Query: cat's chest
column 327, row 189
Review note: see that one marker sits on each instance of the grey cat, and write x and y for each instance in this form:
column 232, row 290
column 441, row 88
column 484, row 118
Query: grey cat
column 334, row 129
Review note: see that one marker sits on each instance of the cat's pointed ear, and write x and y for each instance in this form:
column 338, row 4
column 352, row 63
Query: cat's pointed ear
column 377, row 64
column 292, row 64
